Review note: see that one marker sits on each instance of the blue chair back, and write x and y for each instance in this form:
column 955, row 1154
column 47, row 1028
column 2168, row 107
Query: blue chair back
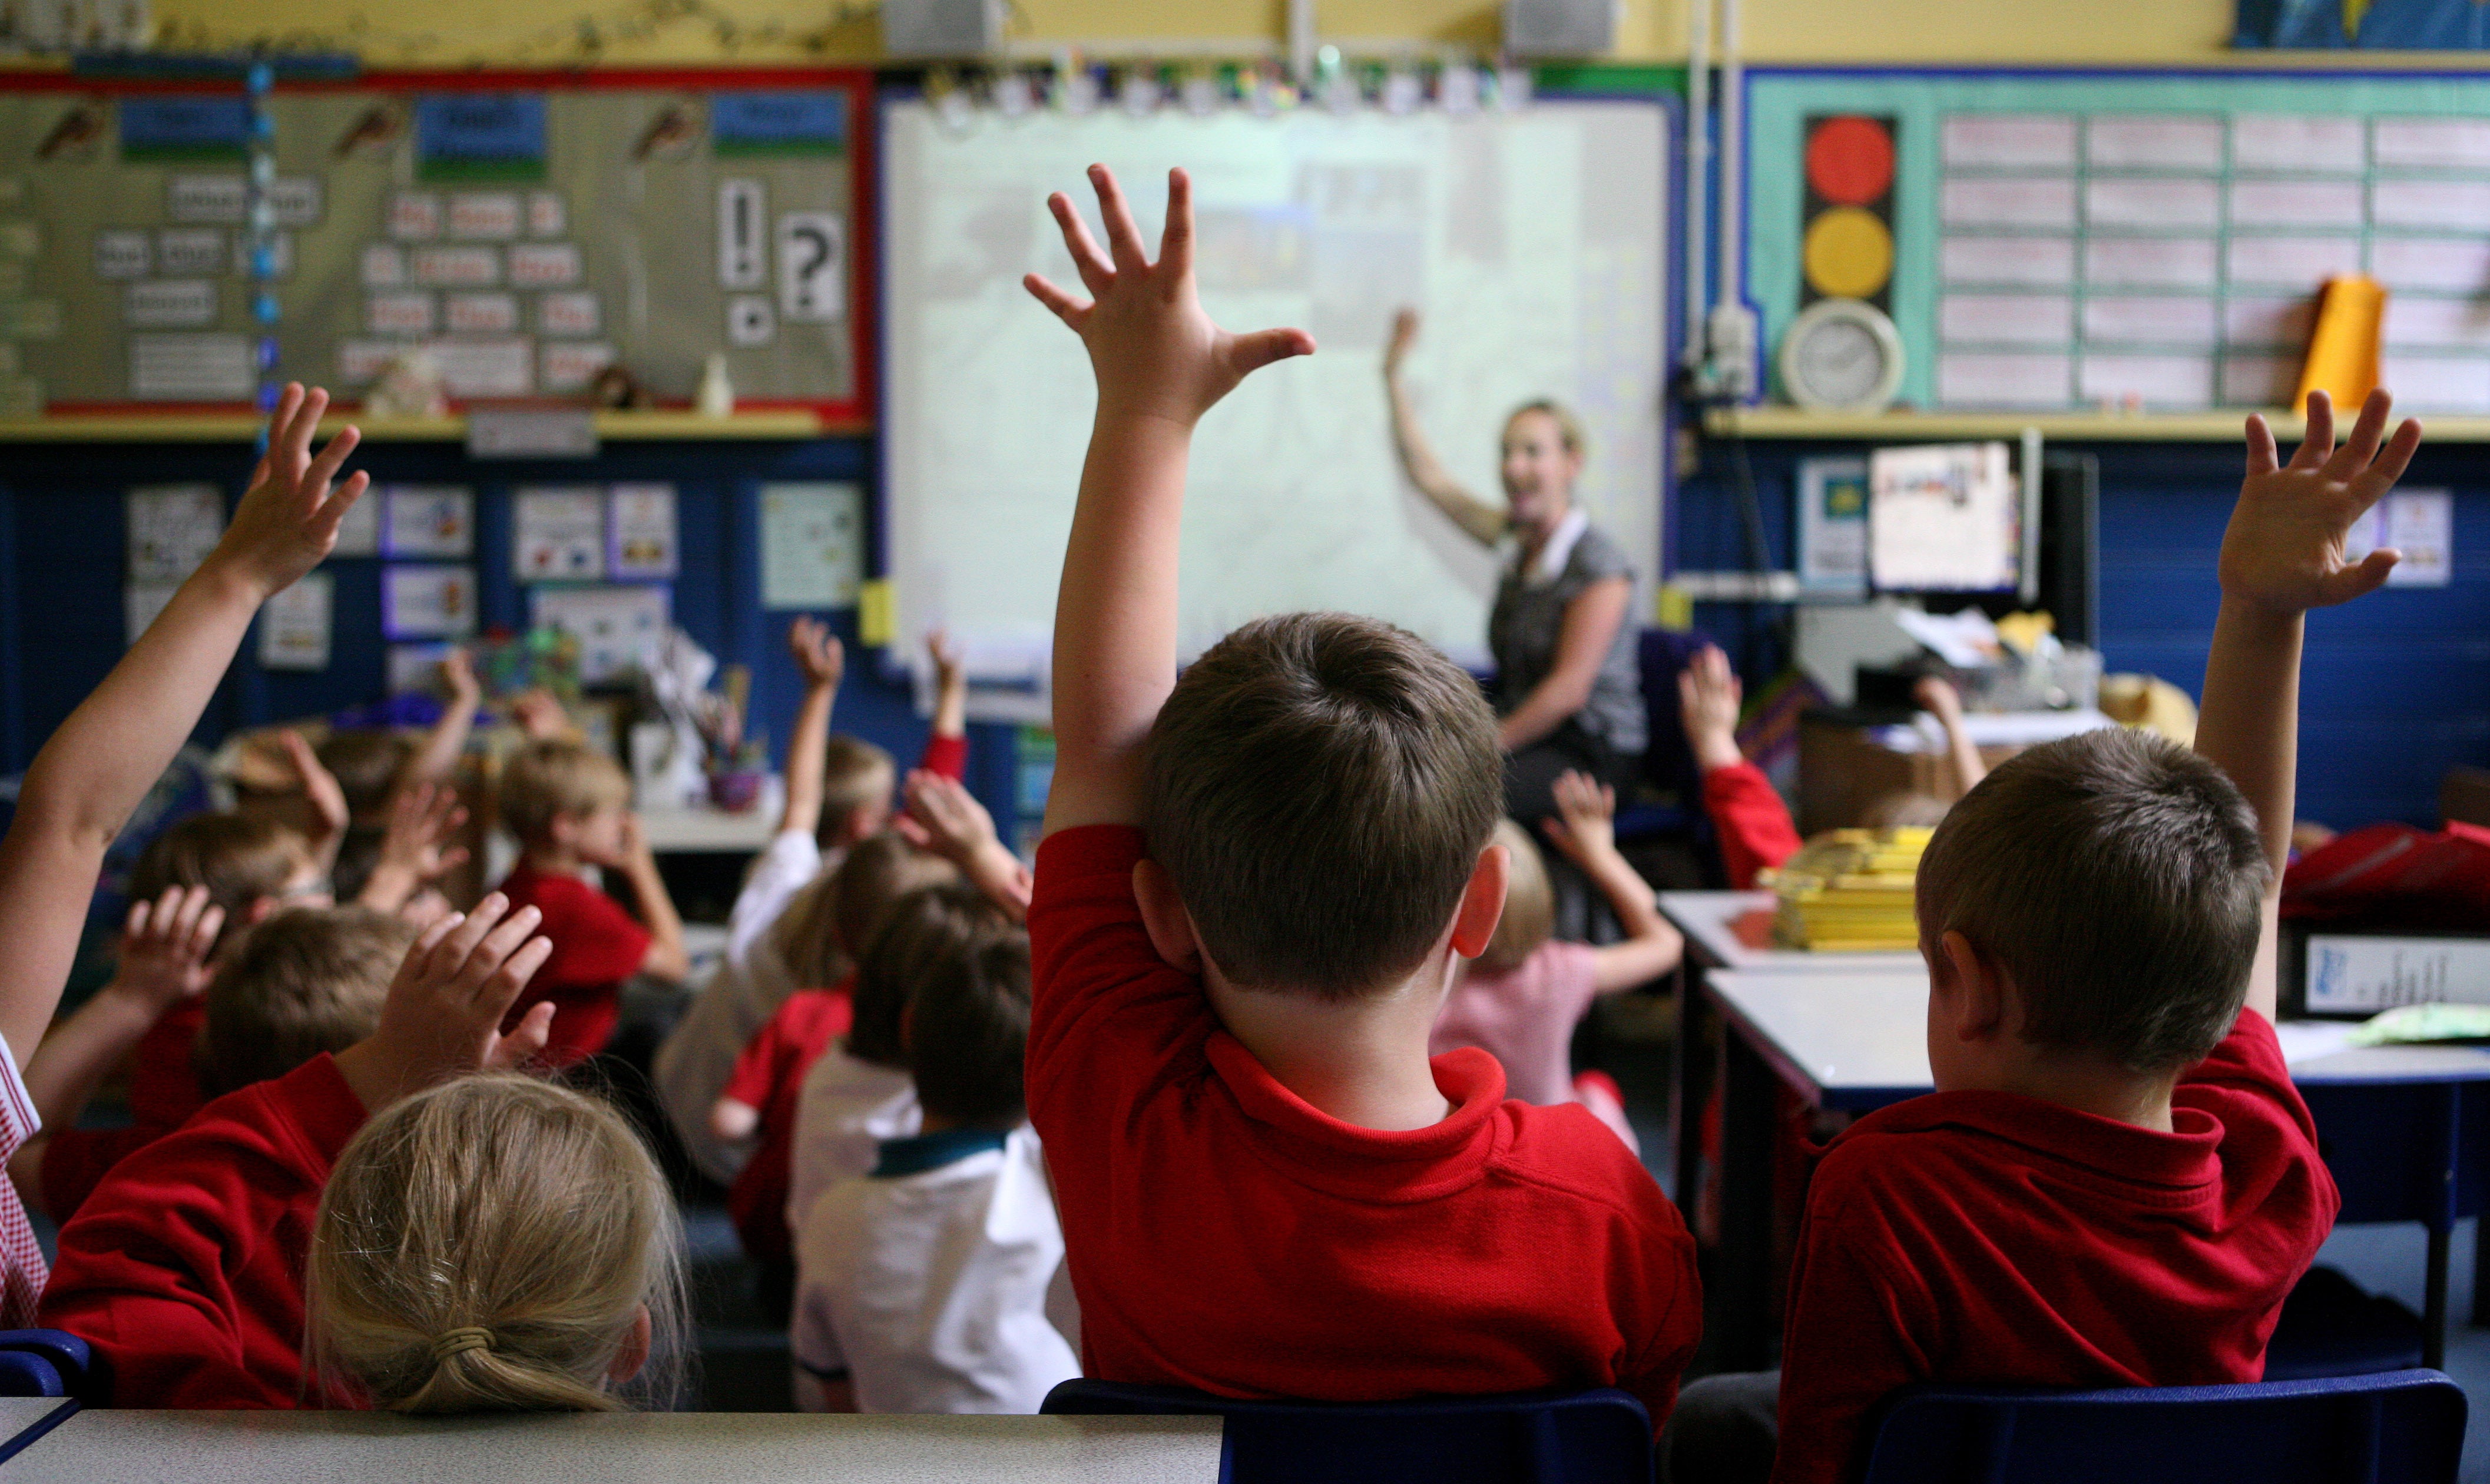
column 2399, row 1427
column 1531, row 1438
column 49, row 1362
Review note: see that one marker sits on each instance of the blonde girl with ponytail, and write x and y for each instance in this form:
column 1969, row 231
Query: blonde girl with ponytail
column 498, row 1243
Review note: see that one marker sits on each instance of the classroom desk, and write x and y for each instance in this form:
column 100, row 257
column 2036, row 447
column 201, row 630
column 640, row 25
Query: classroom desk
column 26, row 1419
column 1858, row 1041
column 1710, row 922
column 254, row 1447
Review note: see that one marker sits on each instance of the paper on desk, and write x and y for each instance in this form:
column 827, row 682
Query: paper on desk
column 1967, row 640
column 1991, row 729
column 2305, row 1040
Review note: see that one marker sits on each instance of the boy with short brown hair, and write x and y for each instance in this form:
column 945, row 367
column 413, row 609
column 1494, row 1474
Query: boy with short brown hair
column 569, row 806
column 1256, row 884
column 2115, row 1182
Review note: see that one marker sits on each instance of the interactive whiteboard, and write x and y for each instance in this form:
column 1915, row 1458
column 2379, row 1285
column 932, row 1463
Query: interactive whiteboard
column 1534, row 242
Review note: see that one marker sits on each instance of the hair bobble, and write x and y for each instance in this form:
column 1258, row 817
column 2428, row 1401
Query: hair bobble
column 457, row 1341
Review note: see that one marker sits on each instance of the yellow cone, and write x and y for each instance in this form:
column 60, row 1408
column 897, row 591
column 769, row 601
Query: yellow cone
column 2343, row 347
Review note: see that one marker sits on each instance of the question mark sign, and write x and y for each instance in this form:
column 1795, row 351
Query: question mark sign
column 818, row 242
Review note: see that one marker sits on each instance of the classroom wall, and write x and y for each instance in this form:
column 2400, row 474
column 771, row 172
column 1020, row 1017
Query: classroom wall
column 62, row 544
column 457, row 32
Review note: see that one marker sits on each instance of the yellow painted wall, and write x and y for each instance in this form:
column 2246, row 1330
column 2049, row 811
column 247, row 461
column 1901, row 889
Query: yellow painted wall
column 416, row 32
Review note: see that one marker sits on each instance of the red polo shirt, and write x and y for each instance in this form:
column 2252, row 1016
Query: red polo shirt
column 596, row 946
column 1224, row 1235
column 1994, row 1238
column 184, row 1268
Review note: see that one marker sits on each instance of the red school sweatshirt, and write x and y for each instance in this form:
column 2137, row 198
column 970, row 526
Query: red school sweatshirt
column 184, row 1268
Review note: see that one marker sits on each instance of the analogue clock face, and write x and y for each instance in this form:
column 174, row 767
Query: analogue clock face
column 1842, row 362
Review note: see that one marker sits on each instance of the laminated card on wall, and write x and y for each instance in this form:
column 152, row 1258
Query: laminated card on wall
column 1942, row 519
column 559, row 533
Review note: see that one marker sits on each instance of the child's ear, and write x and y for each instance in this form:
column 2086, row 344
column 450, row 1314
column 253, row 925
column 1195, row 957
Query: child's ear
column 1482, row 902
column 633, row 1354
column 261, row 909
column 1163, row 914
column 1977, row 987
column 562, row 829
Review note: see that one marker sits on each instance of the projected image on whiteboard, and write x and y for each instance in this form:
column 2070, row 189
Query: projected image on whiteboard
column 1533, row 241
column 1942, row 519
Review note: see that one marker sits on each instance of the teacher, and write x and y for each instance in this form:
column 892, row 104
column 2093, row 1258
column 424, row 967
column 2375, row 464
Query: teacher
column 1567, row 692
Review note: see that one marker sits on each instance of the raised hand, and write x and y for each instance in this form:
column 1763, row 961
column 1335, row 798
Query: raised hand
column 318, row 785
column 1584, row 827
column 820, row 657
column 944, row 817
column 288, row 518
column 458, row 673
column 2284, row 549
column 165, row 947
column 423, row 816
column 945, row 655
column 443, row 1014
column 1937, row 697
column 1404, row 335
column 1708, row 698
column 1154, row 350
column 539, row 714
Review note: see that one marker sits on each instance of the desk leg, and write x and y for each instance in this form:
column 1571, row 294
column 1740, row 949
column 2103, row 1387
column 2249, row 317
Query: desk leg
column 1691, row 1089
column 2433, row 1304
column 1744, row 1264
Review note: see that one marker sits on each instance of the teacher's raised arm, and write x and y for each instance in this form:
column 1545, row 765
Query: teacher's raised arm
column 1567, row 686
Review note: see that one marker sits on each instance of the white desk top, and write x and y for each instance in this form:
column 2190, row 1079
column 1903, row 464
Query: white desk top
column 1859, row 1040
column 17, row 1414
column 254, row 1447
column 1706, row 917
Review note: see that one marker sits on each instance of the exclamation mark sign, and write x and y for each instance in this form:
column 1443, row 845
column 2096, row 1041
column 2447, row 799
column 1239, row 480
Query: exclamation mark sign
column 742, row 263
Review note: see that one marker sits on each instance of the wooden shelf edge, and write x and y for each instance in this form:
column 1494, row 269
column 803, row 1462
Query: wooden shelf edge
column 794, row 425
column 1798, row 424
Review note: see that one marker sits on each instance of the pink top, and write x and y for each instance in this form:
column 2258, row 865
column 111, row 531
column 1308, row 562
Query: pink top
column 1524, row 1018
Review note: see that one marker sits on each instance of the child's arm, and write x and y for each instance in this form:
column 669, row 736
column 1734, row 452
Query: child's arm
column 438, row 758
column 1584, row 830
column 946, row 749
column 421, row 815
column 119, row 740
column 2282, row 555
column 442, row 1013
column 1481, row 521
column 1160, row 365
column 821, row 660
column 944, row 817
column 327, row 800
column 667, row 958
column 1940, row 699
column 163, row 961
column 1748, row 816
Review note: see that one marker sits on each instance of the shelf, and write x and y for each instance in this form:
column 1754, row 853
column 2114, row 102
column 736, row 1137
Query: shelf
column 1798, row 424
column 785, row 425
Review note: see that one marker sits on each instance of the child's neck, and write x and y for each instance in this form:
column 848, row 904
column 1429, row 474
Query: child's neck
column 554, row 860
column 2084, row 1084
column 1362, row 1060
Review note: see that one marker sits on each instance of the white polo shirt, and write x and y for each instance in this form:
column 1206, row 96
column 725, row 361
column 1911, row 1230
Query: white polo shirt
column 928, row 1281
column 698, row 1057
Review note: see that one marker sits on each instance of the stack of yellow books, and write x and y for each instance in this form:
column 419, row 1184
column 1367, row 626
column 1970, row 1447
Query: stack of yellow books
column 1849, row 891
